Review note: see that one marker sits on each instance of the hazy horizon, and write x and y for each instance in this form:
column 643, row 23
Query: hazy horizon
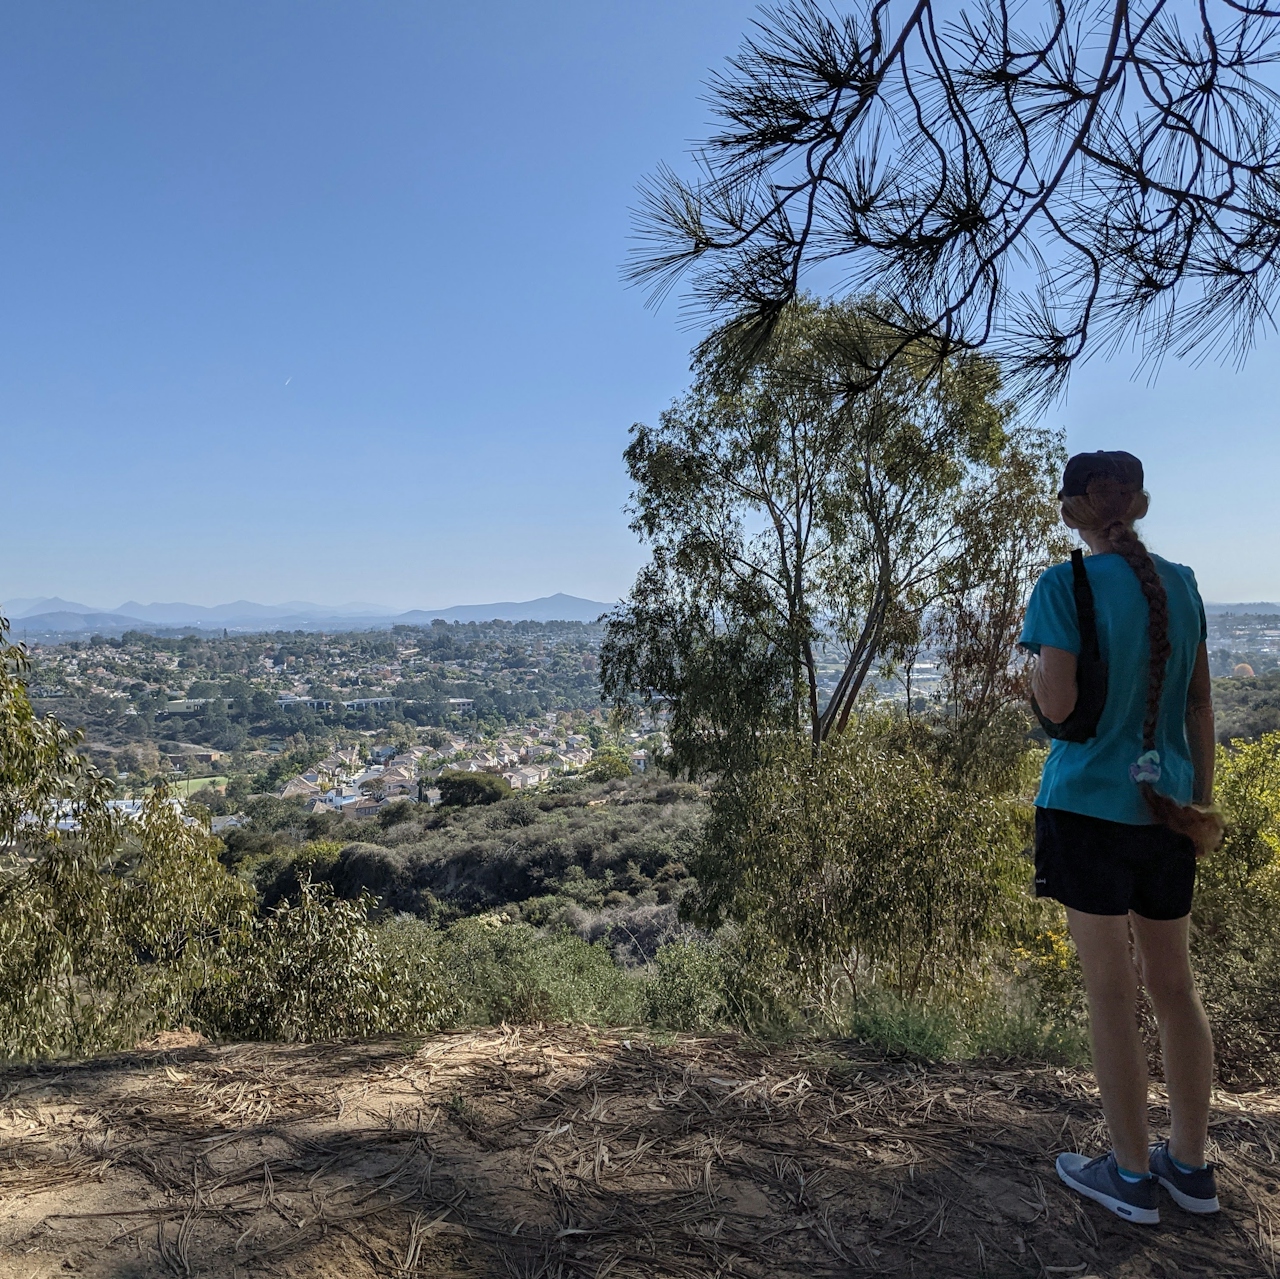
column 38, row 606
column 348, row 607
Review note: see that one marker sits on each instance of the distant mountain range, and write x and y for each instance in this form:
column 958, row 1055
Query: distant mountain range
column 54, row 616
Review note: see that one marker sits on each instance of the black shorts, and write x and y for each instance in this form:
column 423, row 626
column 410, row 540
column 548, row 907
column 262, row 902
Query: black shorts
column 1112, row 868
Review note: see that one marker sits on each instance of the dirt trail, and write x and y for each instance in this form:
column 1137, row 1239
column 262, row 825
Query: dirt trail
column 562, row 1153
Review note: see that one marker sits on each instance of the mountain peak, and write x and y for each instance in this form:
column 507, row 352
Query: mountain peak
column 46, row 604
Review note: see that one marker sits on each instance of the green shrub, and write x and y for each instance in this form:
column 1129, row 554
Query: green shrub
column 410, row 951
column 863, row 867
column 687, row 989
column 1043, row 962
column 108, row 933
column 1235, row 922
column 278, row 876
column 271, row 813
column 398, row 810
column 314, row 969
column 502, row 971
column 607, row 765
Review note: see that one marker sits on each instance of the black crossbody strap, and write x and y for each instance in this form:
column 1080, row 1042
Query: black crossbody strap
column 1091, row 671
column 1086, row 618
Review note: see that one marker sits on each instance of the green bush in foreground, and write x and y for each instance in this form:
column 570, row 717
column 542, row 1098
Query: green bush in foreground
column 688, row 990
column 316, row 970
column 862, row 868
column 108, row 927
column 497, row 971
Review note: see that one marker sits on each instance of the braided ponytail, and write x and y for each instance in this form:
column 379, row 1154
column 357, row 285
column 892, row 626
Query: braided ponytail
column 1110, row 509
column 1129, row 546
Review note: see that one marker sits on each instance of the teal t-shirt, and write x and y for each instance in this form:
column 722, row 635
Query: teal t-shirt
column 1093, row 777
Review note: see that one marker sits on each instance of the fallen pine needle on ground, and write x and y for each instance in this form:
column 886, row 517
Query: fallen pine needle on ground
column 552, row 1152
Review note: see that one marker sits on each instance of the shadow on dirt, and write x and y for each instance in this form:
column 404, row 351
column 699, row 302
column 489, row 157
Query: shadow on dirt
column 562, row 1153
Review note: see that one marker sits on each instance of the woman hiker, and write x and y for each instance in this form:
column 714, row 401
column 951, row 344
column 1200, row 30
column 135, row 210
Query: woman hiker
column 1124, row 809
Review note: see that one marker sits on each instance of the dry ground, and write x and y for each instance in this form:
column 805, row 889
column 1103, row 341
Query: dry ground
column 564, row 1153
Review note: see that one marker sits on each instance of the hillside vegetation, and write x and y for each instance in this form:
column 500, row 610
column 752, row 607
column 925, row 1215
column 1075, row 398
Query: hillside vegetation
column 1246, row 708
column 594, row 902
column 605, row 859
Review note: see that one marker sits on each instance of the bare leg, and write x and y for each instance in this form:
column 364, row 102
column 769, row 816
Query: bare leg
column 1119, row 1060
column 1185, row 1038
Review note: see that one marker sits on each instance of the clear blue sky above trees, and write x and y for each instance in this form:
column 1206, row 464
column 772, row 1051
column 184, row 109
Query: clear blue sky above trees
column 322, row 300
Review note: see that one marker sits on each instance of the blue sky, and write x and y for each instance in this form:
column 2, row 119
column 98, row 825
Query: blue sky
column 322, row 301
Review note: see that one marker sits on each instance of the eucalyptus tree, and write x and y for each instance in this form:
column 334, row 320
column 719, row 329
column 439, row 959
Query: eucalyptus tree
column 106, row 927
column 791, row 522
column 1038, row 180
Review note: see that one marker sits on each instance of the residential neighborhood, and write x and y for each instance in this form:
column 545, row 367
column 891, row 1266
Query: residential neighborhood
column 337, row 718
column 358, row 786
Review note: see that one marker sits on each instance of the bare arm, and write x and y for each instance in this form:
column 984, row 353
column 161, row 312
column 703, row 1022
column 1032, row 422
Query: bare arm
column 1053, row 681
column 1200, row 732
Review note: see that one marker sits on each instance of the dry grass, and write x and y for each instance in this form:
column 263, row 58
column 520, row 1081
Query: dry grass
column 546, row 1153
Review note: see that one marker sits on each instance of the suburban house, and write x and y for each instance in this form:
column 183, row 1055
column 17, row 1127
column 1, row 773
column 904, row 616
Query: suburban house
column 528, row 776
column 398, row 779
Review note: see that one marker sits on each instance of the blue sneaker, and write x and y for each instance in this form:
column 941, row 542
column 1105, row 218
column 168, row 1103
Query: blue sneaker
column 1196, row 1191
column 1100, row 1180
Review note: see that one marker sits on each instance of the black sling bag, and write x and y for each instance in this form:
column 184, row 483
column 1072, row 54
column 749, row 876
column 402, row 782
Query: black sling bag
column 1091, row 670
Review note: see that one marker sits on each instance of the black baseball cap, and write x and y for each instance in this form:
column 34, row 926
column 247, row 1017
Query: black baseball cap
column 1116, row 465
